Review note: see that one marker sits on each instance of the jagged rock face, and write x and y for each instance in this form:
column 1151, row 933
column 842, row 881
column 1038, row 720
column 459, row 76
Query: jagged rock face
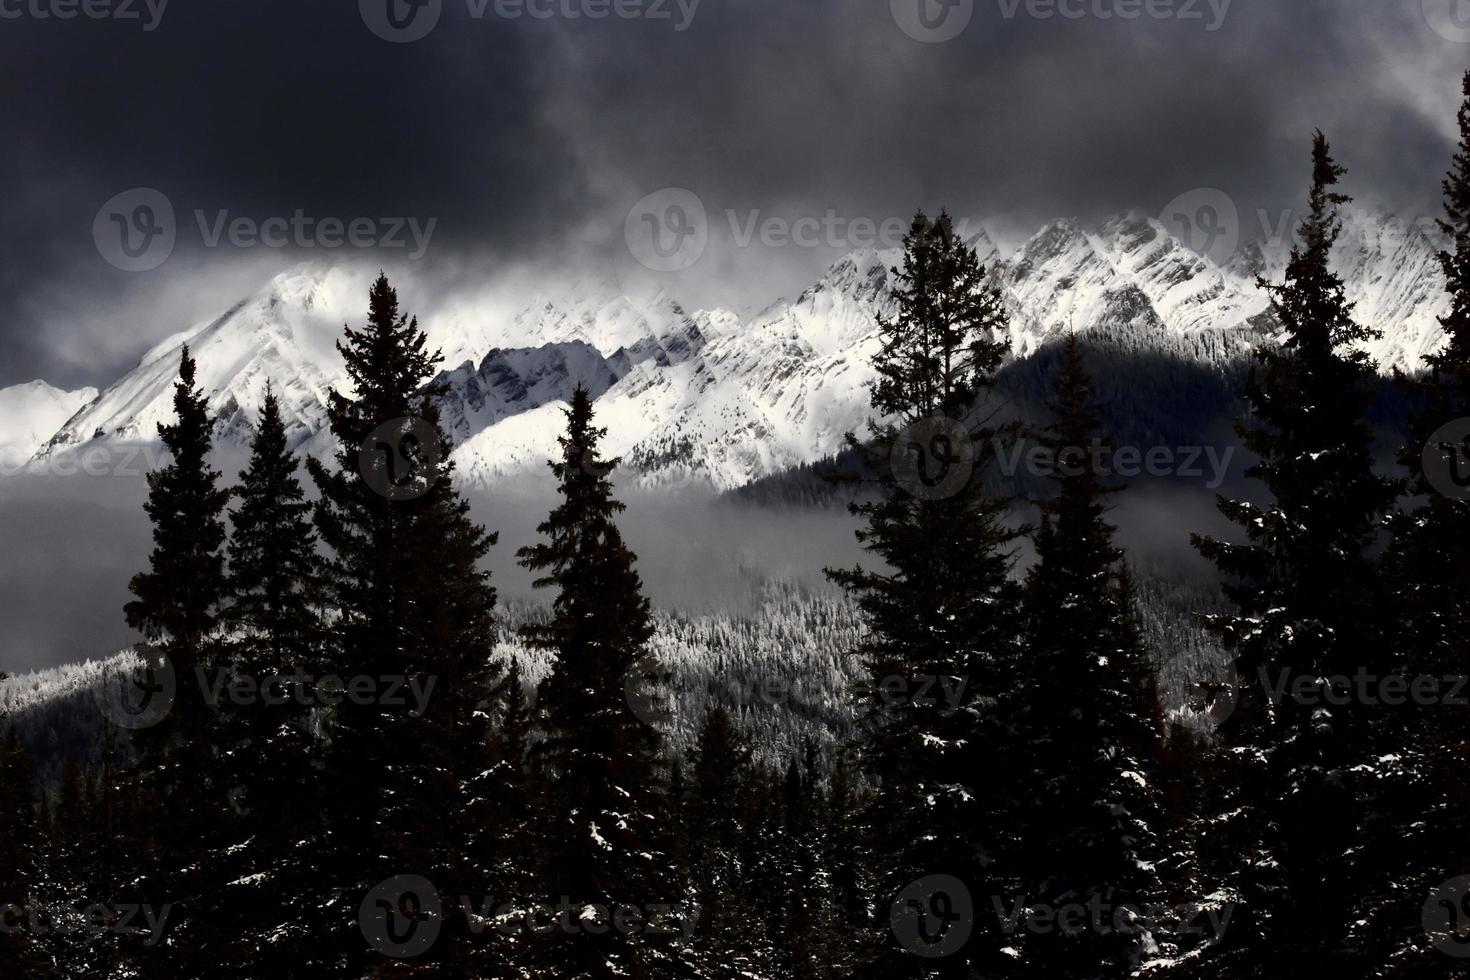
column 711, row 399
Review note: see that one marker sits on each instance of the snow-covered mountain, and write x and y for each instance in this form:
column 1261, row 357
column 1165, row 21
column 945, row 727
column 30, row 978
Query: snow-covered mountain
column 703, row 397
column 1393, row 279
column 31, row 413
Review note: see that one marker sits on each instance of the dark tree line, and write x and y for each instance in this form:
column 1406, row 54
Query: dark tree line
column 1014, row 803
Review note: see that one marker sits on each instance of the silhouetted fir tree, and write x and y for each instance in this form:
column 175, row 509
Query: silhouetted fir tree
column 178, row 598
column 410, row 601
column 940, row 608
column 1311, row 606
column 265, row 906
column 1087, row 710
column 603, row 842
column 176, row 608
column 1429, row 563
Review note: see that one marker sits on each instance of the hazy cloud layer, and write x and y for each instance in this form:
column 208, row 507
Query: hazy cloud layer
column 526, row 138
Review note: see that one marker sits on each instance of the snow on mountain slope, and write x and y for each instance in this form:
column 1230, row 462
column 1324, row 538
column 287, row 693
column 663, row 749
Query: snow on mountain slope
column 1392, row 276
column 286, row 334
column 31, row 413
column 703, row 397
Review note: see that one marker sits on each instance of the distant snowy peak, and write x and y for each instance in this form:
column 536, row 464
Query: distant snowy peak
column 31, row 413
column 285, row 335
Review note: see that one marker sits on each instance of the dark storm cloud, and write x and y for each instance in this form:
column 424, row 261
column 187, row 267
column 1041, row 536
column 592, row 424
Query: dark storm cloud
column 527, row 138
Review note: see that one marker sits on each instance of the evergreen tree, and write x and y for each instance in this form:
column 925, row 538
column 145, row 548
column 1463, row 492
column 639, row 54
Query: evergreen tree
column 941, row 608
column 1310, row 608
column 1087, row 710
column 178, row 598
column 265, row 903
column 1429, row 562
column 177, row 608
column 602, row 765
column 411, row 603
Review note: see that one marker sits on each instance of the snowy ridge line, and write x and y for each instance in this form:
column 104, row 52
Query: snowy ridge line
column 707, row 399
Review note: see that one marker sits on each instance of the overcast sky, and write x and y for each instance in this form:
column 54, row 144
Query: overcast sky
column 526, row 140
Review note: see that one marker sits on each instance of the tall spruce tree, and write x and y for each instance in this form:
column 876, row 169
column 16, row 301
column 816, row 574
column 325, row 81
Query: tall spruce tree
column 178, row 599
column 604, row 774
column 1429, row 562
column 1087, row 710
column 177, row 608
column 411, row 604
column 266, row 898
column 940, row 609
column 1310, row 610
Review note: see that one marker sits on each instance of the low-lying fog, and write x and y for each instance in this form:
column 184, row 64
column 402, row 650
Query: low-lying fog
column 71, row 542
